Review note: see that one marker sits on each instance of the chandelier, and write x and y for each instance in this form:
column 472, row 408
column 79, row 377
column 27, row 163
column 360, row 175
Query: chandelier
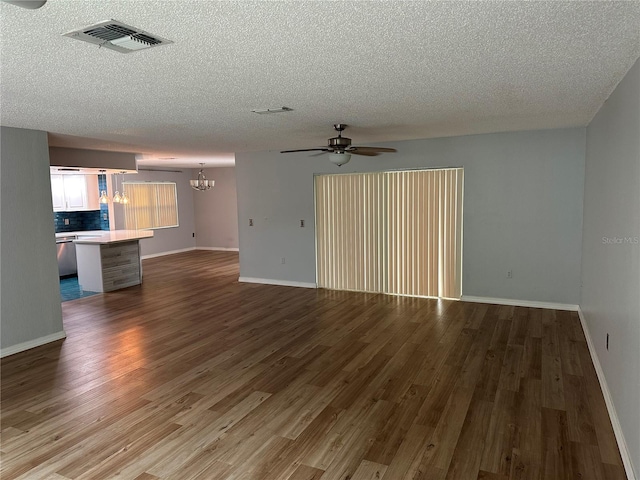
column 202, row 183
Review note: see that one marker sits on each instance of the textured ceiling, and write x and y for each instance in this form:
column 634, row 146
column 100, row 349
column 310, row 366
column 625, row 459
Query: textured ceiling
column 392, row 70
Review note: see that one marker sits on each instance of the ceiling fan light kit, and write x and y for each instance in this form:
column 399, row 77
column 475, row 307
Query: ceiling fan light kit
column 339, row 158
column 340, row 148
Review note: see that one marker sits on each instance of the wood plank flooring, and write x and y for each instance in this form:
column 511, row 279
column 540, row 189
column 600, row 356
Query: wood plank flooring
column 195, row 376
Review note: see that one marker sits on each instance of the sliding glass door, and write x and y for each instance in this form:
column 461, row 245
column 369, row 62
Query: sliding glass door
column 391, row 232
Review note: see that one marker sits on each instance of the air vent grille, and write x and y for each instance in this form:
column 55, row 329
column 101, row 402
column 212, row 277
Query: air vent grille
column 147, row 39
column 117, row 36
column 110, row 32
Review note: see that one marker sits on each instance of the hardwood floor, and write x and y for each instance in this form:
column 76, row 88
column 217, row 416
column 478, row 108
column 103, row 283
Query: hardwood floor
column 195, row 376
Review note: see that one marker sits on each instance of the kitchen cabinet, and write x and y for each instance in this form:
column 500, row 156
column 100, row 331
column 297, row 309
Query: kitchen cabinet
column 110, row 261
column 74, row 192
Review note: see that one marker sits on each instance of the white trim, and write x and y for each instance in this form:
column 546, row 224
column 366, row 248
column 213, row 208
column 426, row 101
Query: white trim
column 520, row 303
column 171, row 252
column 284, row 283
column 36, row 342
column 613, row 415
column 222, row 249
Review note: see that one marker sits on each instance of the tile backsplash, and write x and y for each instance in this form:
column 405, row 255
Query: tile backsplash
column 104, row 208
column 78, row 221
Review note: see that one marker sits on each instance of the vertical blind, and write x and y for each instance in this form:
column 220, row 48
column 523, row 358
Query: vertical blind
column 151, row 205
column 391, row 232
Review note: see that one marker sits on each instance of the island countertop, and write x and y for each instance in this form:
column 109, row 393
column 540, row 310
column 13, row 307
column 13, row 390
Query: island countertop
column 103, row 237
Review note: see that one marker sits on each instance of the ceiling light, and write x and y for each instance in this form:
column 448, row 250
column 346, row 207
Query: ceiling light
column 201, row 184
column 264, row 111
column 30, row 4
column 339, row 158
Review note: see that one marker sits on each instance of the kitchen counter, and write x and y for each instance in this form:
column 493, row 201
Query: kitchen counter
column 109, row 260
column 83, row 232
column 106, row 236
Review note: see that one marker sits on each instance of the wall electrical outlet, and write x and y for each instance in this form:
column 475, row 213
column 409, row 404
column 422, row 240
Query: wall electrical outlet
column 66, row 221
column 251, row 222
column 282, row 260
column 302, row 223
column 607, row 341
column 509, row 273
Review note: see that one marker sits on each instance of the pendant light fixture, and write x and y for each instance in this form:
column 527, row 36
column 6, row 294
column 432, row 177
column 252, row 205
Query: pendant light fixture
column 124, row 199
column 103, row 193
column 201, row 184
column 117, row 197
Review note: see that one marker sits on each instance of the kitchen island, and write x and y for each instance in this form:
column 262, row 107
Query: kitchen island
column 109, row 260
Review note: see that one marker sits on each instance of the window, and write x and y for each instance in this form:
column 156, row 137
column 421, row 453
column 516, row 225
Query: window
column 151, row 205
column 391, row 232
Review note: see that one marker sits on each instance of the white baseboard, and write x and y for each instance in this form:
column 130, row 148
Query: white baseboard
column 36, row 342
column 521, row 303
column 171, row 252
column 613, row 415
column 284, row 283
column 221, row 249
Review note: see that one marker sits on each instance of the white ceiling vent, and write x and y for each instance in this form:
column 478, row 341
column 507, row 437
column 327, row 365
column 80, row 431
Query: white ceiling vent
column 117, row 36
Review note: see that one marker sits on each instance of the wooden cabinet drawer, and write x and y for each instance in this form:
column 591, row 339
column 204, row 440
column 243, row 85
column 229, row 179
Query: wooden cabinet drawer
column 120, row 276
column 119, row 254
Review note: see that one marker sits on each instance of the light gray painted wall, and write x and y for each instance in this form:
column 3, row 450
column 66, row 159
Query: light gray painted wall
column 29, row 289
column 216, row 210
column 522, row 209
column 78, row 157
column 610, row 298
column 166, row 239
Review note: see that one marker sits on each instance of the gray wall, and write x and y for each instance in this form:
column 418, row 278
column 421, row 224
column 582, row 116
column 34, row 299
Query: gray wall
column 29, row 287
column 78, row 157
column 216, row 210
column 522, row 210
column 610, row 299
column 166, row 239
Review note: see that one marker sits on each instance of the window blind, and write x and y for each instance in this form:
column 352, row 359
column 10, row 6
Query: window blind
column 392, row 232
column 151, row 205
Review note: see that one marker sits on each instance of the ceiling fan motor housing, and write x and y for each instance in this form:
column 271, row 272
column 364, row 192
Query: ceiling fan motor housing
column 339, row 143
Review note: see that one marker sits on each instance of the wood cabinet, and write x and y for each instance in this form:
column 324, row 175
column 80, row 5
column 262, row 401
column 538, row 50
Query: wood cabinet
column 108, row 267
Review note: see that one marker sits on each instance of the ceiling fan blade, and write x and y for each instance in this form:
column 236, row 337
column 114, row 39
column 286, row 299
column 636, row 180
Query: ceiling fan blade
column 356, row 151
column 374, row 149
column 306, row 150
column 321, row 153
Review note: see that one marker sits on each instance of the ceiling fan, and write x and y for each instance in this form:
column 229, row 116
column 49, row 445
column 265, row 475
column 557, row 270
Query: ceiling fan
column 340, row 149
